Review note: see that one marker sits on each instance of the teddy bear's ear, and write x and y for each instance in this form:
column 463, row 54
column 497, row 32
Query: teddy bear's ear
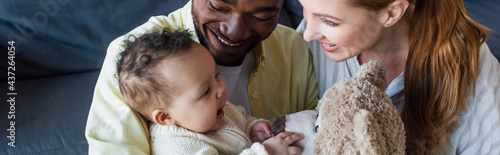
column 374, row 72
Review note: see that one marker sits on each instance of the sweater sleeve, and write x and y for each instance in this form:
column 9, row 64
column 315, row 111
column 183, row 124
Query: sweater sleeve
column 243, row 121
column 251, row 121
column 181, row 145
column 255, row 149
column 176, row 140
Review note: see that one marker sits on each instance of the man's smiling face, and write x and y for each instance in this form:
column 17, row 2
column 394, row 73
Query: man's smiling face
column 231, row 28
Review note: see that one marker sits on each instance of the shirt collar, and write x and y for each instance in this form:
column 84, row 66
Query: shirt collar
column 396, row 85
column 187, row 15
column 259, row 54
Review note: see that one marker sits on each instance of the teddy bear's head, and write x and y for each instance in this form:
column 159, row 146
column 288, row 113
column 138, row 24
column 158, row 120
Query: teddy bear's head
column 357, row 117
column 354, row 116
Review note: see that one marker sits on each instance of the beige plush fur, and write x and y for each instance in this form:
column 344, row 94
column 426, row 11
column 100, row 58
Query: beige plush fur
column 357, row 117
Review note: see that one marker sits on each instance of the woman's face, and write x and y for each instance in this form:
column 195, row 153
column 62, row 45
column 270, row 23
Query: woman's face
column 343, row 30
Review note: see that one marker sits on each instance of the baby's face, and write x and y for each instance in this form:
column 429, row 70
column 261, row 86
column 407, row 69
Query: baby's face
column 200, row 92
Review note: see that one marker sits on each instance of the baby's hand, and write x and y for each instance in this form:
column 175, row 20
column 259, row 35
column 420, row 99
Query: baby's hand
column 261, row 131
column 280, row 144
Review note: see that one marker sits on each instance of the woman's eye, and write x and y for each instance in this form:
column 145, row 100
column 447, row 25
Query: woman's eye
column 217, row 8
column 328, row 22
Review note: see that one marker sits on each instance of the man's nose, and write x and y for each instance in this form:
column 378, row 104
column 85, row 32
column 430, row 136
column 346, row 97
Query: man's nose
column 236, row 29
column 311, row 33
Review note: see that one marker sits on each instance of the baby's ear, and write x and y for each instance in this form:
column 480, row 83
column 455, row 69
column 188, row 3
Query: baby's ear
column 161, row 117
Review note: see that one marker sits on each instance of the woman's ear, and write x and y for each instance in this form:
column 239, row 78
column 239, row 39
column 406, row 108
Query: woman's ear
column 393, row 12
column 162, row 117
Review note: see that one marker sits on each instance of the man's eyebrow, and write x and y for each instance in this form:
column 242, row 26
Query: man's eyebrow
column 268, row 9
column 260, row 9
column 230, row 2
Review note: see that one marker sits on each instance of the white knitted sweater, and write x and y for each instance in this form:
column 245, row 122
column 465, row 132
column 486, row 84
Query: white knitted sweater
column 232, row 138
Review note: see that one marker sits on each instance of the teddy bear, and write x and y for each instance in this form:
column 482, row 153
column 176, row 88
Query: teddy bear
column 354, row 116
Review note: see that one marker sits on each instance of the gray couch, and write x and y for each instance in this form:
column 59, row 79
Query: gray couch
column 60, row 47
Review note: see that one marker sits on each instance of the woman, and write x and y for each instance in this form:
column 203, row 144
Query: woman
column 440, row 73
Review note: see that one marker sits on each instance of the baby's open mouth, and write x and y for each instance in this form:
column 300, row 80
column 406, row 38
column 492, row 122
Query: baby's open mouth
column 220, row 113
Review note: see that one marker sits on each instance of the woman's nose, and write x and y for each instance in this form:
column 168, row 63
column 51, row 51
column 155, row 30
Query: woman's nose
column 311, row 33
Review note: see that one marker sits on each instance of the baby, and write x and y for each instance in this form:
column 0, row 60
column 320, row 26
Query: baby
column 172, row 81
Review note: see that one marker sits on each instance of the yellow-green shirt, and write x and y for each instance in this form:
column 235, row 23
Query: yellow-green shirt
column 283, row 81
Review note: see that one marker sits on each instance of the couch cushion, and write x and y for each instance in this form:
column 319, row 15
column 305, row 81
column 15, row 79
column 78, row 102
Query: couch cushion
column 50, row 115
column 487, row 12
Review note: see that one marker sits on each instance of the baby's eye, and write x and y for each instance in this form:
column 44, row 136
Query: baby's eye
column 207, row 92
column 316, row 129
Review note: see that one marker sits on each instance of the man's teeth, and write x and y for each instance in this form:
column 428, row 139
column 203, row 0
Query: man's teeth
column 227, row 43
column 329, row 45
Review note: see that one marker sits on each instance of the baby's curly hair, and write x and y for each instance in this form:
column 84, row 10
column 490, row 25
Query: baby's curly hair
column 141, row 85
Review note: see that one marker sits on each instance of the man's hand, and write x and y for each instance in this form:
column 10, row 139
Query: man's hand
column 261, row 131
column 280, row 144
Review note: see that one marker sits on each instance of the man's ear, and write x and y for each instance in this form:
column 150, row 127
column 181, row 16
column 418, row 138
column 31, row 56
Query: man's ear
column 162, row 117
column 393, row 12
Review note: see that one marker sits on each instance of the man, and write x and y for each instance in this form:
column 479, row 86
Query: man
column 267, row 69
